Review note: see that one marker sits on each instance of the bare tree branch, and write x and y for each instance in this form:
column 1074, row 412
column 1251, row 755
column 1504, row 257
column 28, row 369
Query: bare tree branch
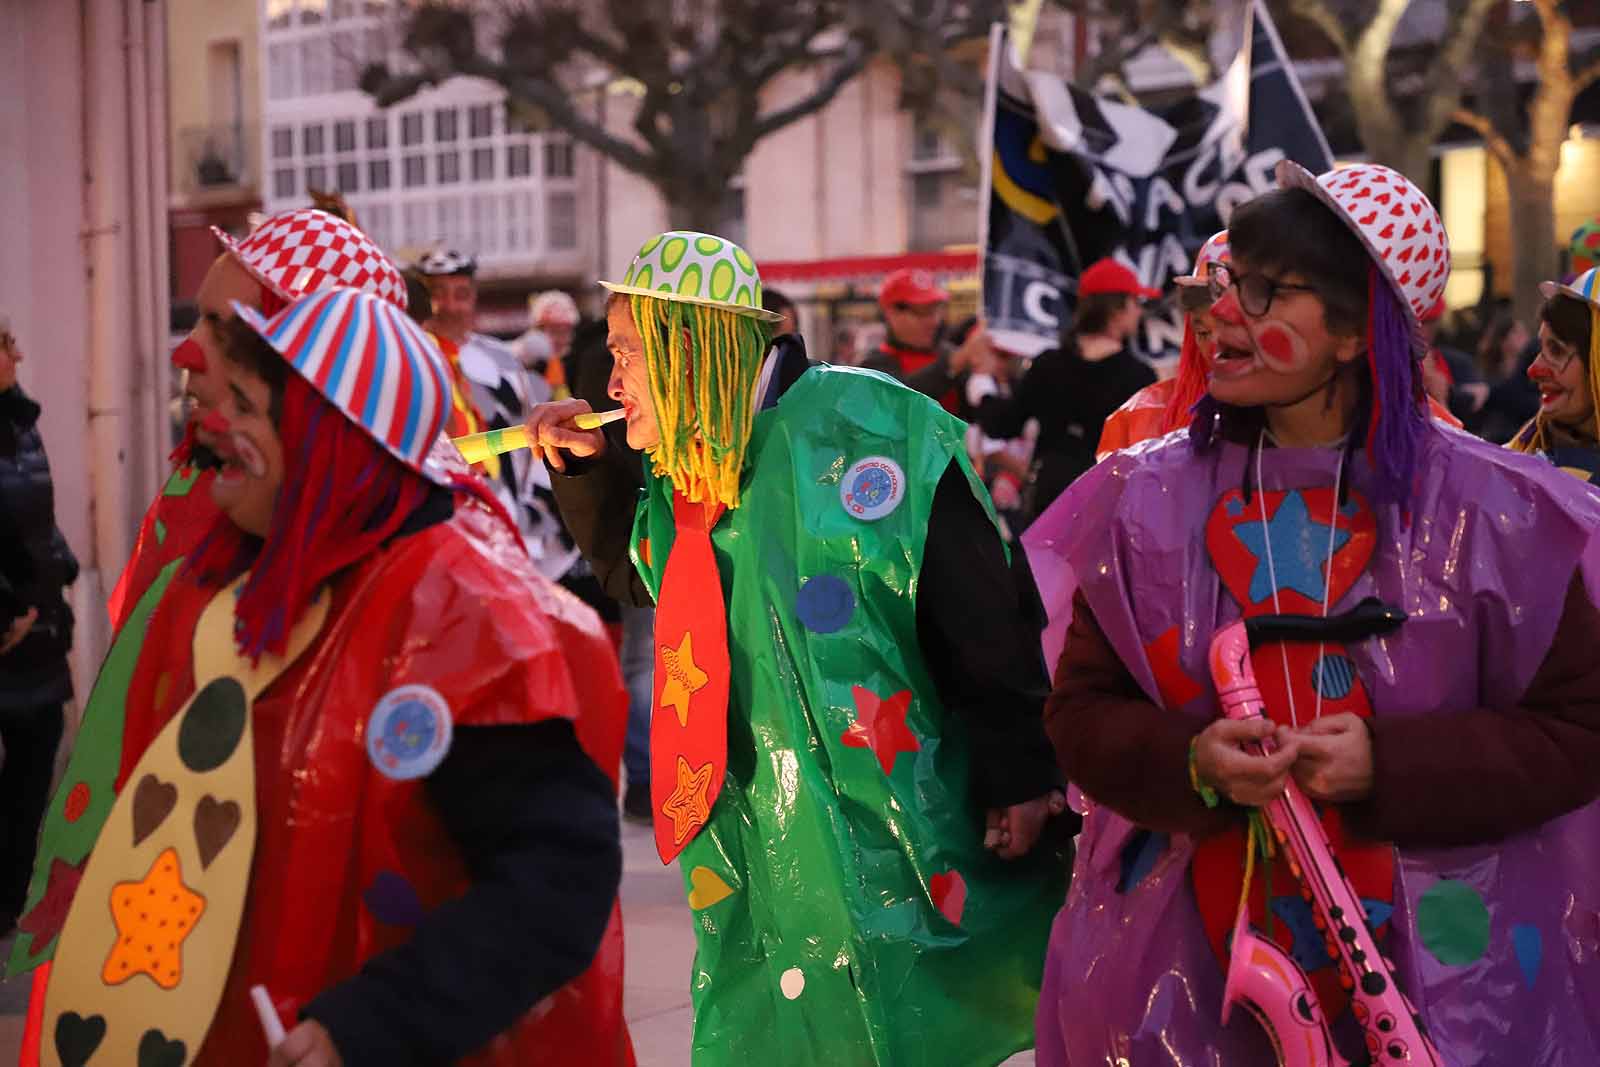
column 818, row 98
column 1448, row 71
column 1586, row 77
column 1320, row 15
column 1497, row 145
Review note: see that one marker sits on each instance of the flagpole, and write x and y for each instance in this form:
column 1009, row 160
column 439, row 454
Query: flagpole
column 991, row 96
column 1271, row 29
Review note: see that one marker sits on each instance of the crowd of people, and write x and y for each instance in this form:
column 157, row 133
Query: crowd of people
column 985, row 704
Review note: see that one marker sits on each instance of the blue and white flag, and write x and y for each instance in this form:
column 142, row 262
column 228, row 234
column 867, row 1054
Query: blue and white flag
column 1072, row 178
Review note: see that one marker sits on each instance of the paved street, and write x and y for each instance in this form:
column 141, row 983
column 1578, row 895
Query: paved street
column 660, row 941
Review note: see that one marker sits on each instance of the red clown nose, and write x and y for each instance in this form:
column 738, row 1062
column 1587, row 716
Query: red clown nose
column 215, row 422
column 189, row 356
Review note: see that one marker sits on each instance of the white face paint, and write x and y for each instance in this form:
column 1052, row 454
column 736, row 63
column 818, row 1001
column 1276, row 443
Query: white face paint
column 248, row 456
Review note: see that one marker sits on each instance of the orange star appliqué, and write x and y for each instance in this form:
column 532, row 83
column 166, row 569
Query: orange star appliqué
column 881, row 725
column 688, row 806
column 153, row 918
column 684, row 678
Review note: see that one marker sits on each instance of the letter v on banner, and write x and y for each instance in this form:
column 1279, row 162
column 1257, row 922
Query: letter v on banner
column 1069, row 178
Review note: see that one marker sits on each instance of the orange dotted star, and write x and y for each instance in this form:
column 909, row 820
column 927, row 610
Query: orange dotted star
column 153, row 918
column 684, row 678
column 689, row 806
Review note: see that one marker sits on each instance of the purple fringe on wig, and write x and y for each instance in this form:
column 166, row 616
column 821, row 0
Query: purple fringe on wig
column 1394, row 429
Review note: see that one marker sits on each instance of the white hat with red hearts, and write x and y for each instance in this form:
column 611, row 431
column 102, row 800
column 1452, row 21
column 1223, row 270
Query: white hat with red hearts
column 1396, row 222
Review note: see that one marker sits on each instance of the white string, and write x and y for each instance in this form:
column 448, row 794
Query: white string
column 1272, row 575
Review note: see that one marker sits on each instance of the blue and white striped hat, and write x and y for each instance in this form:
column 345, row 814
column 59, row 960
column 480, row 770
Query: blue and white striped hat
column 371, row 362
column 1584, row 287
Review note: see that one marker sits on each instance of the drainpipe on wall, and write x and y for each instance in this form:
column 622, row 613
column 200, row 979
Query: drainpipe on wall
column 106, row 237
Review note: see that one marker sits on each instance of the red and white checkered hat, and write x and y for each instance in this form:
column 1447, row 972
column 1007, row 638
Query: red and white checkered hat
column 306, row 251
column 1394, row 220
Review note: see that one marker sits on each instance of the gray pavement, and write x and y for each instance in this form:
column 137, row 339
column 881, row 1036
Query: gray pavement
column 660, row 951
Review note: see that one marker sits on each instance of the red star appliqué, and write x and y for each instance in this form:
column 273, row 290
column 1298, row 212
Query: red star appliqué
column 881, row 726
column 46, row 918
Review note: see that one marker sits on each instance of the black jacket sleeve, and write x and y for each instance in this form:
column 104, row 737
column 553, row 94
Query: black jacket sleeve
column 536, row 823
column 1003, row 417
column 934, row 380
column 598, row 498
column 979, row 622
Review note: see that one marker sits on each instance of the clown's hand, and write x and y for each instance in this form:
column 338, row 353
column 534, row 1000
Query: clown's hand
column 551, row 432
column 308, row 1045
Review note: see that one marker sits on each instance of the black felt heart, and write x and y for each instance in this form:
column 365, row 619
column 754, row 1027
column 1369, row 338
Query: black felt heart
column 77, row 1037
column 156, row 1051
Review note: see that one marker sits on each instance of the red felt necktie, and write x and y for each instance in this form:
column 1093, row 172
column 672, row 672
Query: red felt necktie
column 689, row 726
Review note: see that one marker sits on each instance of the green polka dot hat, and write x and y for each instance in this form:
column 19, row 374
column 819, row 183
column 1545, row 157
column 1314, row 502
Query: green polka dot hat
column 696, row 268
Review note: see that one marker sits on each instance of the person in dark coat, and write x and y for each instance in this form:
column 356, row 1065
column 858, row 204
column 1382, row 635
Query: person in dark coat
column 35, row 631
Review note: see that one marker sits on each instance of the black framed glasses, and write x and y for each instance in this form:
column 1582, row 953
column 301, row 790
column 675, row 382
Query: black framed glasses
column 1556, row 354
column 1256, row 291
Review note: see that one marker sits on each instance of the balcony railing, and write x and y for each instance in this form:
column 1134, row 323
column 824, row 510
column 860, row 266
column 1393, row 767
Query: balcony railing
column 218, row 158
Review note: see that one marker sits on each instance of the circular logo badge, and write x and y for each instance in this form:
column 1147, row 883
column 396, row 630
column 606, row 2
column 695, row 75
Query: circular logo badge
column 408, row 734
column 872, row 488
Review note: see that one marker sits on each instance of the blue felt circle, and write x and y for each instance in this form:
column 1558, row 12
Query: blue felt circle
column 825, row 604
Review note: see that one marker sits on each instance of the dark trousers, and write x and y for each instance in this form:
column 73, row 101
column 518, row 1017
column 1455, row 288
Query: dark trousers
column 30, row 737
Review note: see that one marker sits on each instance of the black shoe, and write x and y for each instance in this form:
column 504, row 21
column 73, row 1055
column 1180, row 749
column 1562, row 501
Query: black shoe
column 636, row 804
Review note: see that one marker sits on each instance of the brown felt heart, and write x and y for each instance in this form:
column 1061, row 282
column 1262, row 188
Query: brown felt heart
column 153, row 801
column 215, row 822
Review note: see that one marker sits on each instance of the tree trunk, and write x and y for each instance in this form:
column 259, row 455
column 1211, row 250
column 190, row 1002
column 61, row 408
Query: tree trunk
column 1534, row 256
column 695, row 206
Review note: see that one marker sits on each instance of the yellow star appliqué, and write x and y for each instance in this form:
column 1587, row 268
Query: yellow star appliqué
column 684, row 679
column 688, row 806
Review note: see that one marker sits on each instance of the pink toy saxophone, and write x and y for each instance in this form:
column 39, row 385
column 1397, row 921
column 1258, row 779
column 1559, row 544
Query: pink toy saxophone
column 1261, row 976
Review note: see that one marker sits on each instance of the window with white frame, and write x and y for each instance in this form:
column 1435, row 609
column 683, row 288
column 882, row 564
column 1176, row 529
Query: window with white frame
column 437, row 171
column 315, row 47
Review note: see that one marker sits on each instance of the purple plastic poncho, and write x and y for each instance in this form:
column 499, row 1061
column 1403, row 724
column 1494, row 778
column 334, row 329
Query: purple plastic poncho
column 1482, row 569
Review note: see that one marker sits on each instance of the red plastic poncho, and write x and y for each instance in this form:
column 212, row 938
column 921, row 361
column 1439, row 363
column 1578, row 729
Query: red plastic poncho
column 458, row 608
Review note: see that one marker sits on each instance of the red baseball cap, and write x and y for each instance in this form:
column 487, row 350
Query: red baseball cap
column 907, row 286
column 1109, row 276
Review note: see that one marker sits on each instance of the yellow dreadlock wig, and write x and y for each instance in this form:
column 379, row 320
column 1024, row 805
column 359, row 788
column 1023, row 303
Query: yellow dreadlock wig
column 703, row 363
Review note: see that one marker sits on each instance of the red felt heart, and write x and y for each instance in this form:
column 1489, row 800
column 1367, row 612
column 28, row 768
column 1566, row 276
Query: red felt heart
column 1387, row 232
column 1369, row 220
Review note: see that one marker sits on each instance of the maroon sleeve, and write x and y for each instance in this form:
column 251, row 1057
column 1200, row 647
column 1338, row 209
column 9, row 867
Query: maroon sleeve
column 1118, row 747
column 1479, row 776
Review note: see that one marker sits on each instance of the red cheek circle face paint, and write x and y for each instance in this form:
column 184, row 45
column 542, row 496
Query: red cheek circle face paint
column 1281, row 347
column 214, row 422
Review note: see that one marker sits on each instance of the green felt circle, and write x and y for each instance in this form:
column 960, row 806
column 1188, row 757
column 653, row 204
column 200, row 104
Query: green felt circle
column 743, row 297
column 708, row 246
column 744, row 259
column 213, row 726
column 642, row 279
column 650, row 245
column 690, row 283
column 1453, row 923
column 722, row 277
column 672, row 253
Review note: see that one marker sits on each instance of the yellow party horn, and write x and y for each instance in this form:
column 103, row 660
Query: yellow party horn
column 477, row 447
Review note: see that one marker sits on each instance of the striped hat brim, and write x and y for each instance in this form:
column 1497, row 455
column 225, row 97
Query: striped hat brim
column 382, row 376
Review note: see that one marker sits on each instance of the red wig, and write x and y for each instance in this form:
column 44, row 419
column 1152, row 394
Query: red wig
column 1190, row 385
